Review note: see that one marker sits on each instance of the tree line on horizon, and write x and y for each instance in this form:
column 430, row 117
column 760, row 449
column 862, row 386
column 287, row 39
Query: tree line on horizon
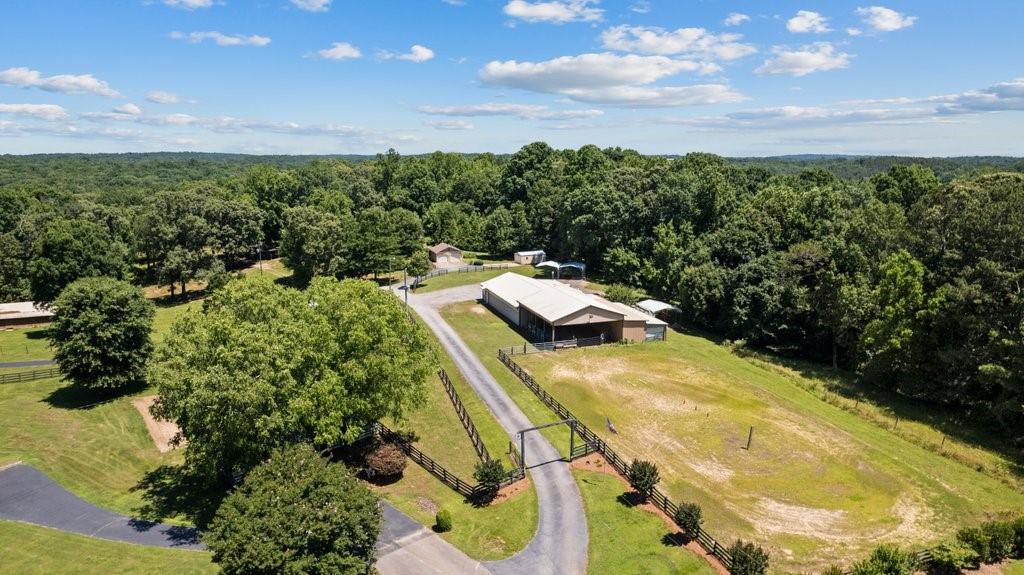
column 910, row 279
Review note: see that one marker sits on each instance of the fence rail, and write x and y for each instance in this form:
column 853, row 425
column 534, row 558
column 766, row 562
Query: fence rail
column 29, row 375
column 528, row 348
column 596, row 444
column 459, row 270
column 467, row 422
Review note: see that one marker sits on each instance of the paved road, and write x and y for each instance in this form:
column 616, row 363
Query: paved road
column 29, row 496
column 560, row 544
column 28, row 363
column 407, row 548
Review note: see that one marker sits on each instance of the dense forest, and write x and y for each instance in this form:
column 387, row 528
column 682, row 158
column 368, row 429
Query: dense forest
column 908, row 271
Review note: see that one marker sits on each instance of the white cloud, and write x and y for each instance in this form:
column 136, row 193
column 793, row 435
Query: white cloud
column 882, row 19
column 684, row 41
column 611, row 79
column 453, row 125
column 340, row 51
column 735, row 19
column 161, row 97
column 130, row 109
column 805, row 60
column 854, row 31
column 641, row 7
column 189, row 4
column 155, row 120
column 42, row 111
column 522, row 111
column 999, row 97
column 555, row 11
column 222, row 39
column 455, row 2
column 415, row 54
column 807, row 21
column 658, row 97
column 312, row 5
column 66, row 83
column 585, row 71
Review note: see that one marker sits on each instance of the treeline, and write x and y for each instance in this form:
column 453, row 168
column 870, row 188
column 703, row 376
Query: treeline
column 913, row 282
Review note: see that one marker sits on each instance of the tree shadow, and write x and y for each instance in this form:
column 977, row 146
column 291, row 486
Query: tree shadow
column 675, row 539
column 37, row 333
column 75, row 397
column 630, row 499
column 177, row 534
column 173, row 491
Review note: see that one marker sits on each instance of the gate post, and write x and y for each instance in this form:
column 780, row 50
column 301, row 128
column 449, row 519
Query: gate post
column 522, row 452
column 572, row 438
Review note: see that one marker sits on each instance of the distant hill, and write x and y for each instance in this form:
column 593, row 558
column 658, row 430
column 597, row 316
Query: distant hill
column 859, row 167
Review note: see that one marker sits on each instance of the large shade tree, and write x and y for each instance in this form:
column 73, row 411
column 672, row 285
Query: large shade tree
column 71, row 249
column 265, row 365
column 101, row 333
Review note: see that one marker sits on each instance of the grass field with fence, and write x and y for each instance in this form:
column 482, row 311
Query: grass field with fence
column 819, row 482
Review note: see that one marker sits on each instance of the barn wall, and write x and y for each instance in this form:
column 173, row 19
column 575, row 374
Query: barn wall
column 501, row 306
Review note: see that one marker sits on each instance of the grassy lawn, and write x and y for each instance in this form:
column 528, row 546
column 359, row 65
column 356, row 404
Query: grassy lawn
column 23, row 344
column 33, row 549
column 460, row 279
column 99, row 453
column 627, row 540
column 818, row 483
column 1014, row 568
column 484, row 332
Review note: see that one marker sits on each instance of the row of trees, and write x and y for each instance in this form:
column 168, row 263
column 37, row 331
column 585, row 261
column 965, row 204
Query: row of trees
column 911, row 281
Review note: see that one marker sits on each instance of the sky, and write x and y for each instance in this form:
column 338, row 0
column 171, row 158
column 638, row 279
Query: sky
column 738, row 78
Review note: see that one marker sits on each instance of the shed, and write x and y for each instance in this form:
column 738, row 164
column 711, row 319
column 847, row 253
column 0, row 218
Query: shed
column 444, row 253
column 23, row 313
column 529, row 257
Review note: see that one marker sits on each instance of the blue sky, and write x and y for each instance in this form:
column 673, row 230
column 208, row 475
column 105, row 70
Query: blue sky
column 661, row 76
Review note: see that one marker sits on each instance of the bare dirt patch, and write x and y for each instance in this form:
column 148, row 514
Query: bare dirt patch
column 511, row 491
column 161, row 431
column 778, row 517
column 427, row 504
column 478, row 309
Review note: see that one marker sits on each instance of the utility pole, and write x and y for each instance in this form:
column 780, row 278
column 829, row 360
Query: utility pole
column 405, row 280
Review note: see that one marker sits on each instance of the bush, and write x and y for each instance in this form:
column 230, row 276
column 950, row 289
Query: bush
column 1000, row 540
column 478, row 262
column 951, row 558
column 977, row 540
column 643, row 476
column 101, row 333
column 1018, row 537
column 887, row 560
column 489, row 475
column 689, row 517
column 748, row 559
column 623, row 294
column 387, row 459
column 443, row 521
column 296, row 513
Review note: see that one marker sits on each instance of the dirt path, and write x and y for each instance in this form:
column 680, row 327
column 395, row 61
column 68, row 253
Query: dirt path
column 162, row 432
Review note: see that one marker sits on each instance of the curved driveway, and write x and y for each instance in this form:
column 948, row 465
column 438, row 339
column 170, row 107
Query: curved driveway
column 560, row 544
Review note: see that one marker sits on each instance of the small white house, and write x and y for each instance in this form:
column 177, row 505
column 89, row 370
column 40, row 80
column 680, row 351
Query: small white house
column 529, row 257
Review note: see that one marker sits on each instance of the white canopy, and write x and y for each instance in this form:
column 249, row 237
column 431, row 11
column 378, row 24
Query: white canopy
column 654, row 306
column 548, row 264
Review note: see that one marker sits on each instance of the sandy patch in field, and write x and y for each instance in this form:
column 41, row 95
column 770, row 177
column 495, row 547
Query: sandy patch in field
column 592, row 370
column 711, row 469
column 427, row 504
column 162, row 432
column 478, row 309
column 915, row 521
column 778, row 517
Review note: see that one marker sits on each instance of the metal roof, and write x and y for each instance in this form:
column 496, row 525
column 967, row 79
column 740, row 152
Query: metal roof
column 23, row 310
column 443, row 247
column 655, row 306
column 530, row 253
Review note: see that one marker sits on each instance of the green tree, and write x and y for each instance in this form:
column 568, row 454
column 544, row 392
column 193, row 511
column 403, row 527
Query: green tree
column 500, row 232
column 101, row 333
column 72, row 249
column 689, row 517
column 643, row 476
column 13, row 281
column 296, row 513
column 315, row 243
column 887, row 560
column 265, row 365
column 418, row 264
column 623, row 294
column 748, row 559
column 489, row 475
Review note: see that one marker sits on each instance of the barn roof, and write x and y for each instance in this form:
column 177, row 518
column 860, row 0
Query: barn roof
column 442, row 247
column 550, row 300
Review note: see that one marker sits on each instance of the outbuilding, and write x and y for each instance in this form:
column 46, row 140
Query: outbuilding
column 23, row 313
column 546, row 310
column 444, row 253
column 529, row 257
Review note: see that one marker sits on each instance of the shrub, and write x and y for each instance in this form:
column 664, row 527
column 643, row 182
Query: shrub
column 951, row 558
column 887, row 560
column 1018, row 537
column 623, row 294
column 643, row 476
column 387, row 460
column 443, row 521
column 689, row 517
column 1000, row 540
column 748, row 559
column 296, row 513
column 977, row 540
column 478, row 262
column 489, row 475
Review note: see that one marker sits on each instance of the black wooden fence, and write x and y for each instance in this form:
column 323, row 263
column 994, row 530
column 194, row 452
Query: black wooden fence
column 538, row 347
column 467, row 422
column 29, row 375
column 596, row 444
